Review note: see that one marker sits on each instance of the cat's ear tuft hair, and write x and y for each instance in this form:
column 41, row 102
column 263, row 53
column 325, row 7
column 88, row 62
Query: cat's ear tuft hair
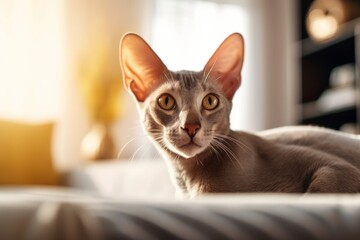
column 224, row 66
column 142, row 69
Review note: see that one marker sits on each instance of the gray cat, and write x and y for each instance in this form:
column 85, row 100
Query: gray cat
column 186, row 114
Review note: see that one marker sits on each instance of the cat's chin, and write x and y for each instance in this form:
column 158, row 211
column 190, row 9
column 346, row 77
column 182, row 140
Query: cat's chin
column 189, row 150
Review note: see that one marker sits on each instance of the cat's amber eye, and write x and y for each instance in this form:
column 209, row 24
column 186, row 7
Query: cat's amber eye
column 210, row 102
column 166, row 102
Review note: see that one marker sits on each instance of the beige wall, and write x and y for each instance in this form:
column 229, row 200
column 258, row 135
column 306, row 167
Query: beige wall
column 269, row 97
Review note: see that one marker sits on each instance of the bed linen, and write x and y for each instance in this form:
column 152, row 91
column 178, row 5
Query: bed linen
column 63, row 213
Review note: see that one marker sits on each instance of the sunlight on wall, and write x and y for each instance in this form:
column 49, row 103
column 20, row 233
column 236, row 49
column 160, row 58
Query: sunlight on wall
column 187, row 33
column 31, row 59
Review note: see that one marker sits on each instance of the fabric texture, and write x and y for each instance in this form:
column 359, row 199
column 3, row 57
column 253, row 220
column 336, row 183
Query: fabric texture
column 67, row 214
column 45, row 214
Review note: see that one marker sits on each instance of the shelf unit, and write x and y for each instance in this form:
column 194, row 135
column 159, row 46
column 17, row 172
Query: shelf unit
column 318, row 60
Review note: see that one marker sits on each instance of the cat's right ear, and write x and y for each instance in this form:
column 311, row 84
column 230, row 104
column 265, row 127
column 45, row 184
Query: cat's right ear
column 224, row 66
column 142, row 69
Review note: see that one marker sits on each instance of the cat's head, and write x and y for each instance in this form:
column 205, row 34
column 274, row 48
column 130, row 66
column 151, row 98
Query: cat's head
column 184, row 112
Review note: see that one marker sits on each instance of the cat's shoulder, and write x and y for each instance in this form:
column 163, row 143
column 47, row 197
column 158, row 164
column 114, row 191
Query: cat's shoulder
column 303, row 130
column 305, row 133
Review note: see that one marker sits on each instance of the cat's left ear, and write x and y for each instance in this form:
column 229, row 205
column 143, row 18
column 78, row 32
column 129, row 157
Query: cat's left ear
column 224, row 66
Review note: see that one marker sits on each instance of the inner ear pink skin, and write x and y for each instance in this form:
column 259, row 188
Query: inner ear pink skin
column 224, row 66
column 142, row 69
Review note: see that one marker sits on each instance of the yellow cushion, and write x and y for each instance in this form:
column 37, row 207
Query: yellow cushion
column 25, row 154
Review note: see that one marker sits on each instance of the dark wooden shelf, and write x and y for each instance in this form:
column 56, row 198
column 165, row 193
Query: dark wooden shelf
column 346, row 31
column 312, row 112
column 333, row 119
column 318, row 60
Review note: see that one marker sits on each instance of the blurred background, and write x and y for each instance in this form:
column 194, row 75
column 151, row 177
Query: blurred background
column 63, row 104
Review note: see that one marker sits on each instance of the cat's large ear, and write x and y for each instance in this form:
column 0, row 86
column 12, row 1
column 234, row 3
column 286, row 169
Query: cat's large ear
column 224, row 66
column 142, row 69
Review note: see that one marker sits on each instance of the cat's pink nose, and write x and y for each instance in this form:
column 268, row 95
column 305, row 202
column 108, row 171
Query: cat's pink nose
column 191, row 128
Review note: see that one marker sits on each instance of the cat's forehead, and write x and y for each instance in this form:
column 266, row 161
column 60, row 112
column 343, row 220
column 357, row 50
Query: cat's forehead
column 186, row 79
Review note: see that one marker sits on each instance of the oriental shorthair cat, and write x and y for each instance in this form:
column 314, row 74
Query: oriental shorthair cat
column 186, row 115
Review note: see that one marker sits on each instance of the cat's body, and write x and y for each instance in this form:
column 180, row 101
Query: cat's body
column 186, row 114
column 286, row 159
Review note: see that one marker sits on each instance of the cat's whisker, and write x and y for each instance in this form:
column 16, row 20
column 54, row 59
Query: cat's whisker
column 125, row 145
column 238, row 142
column 177, row 157
column 162, row 144
column 227, row 149
column 215, row 145
column 198, row 161
column 230, row 154
column 145, row 152
column 171, row 75
column 208, row 74
column 156, row 156
column 143, row 135
column 133, row 156
column 233, row 158
column 212, row 148
column 201, row 163
column 167, row 77
column 242, row 145
column 155, row 134
column 216, row 79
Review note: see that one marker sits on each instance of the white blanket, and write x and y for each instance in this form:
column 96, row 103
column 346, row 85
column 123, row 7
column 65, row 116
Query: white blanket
column 123, row 200
column 32, row 213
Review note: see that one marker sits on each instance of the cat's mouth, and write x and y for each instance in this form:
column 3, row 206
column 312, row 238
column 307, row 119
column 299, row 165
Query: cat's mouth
column 189, row 149
column 190, row 144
